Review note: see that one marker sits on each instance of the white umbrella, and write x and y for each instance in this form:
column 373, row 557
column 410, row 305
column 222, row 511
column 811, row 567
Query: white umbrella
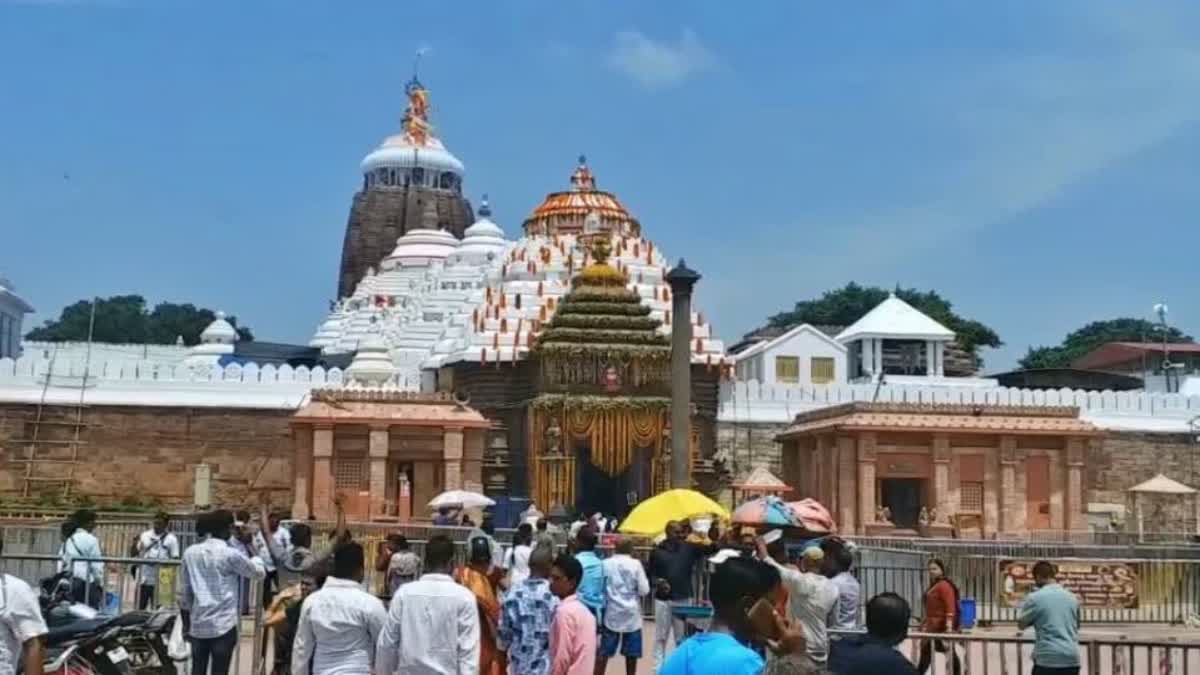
column 461, row 499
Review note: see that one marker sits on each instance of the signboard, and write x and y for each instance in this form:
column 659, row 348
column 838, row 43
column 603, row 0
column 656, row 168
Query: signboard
column 1102, row 584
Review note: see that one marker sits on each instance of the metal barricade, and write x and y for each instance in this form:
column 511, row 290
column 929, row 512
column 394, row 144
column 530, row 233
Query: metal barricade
column 121, row 592
column 999, row 654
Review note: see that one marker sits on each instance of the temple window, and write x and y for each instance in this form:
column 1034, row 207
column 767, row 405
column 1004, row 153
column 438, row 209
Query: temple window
column 418, row 176
column 447, row 180
column 970, row 497
column 787, row 369
column 822, row 369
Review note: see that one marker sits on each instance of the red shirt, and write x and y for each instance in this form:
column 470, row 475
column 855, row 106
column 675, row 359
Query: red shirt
column 939, row 607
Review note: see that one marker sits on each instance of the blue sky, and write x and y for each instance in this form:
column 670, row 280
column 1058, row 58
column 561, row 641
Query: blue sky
column 1034, row 162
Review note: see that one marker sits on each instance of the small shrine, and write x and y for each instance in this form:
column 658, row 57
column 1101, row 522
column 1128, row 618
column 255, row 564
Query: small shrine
column 599, row 431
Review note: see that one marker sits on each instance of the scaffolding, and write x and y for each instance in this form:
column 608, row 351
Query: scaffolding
column 48, row 442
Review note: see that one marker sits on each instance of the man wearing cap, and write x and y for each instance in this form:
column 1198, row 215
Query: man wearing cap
column 811, row 602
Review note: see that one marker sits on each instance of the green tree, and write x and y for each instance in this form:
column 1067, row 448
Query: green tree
column 1095, row 334
column 844, row 306
column 124, row 319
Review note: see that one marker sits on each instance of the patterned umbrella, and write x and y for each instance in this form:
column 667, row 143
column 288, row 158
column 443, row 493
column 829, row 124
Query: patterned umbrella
column 813, row 516
column 766, row 511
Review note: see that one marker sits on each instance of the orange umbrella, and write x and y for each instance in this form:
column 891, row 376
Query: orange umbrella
column 813, row 516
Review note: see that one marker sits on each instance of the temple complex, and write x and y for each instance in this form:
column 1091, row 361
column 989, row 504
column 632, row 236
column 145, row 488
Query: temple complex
column 411, row 180
column 565, row 365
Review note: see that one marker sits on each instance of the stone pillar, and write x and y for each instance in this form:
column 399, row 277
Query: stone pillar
column 1076, row 519
column 682, row 280
column 323, row 486
column 377, row 452
column 1058, row 492
column 940, row 499
column 868, row 356
column 302, row 471
column 930, row 358
column 847, row 481
column 1008, row 484
column 878, row 358
column 939, row 353
column 866, row 481
column 452, row 454
column 991, row 493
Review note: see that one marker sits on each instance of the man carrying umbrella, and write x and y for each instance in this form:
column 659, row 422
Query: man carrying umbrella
column 672, row 568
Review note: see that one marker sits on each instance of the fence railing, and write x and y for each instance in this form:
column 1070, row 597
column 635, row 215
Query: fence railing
column 1013, row 654
column 121, row 587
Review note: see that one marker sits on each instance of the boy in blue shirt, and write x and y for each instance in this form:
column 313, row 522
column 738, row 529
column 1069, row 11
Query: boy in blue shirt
column 735, row 586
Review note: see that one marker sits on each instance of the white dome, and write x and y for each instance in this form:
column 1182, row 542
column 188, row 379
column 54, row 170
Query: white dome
column 421, row 247
column 399, row 152
column 219, row 331
column 483, row 237
column 372, row 364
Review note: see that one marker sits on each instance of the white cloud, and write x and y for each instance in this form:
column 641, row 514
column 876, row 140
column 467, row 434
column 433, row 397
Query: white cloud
column 654, row 64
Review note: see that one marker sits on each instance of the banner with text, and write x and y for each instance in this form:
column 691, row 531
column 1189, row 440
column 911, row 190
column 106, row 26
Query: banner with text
column 1111, row 585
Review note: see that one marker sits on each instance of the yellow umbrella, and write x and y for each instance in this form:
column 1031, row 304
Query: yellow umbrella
column 651, row 516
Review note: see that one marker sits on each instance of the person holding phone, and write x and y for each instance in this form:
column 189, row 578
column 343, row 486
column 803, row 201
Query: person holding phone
column 742, row 617
column 811, row 602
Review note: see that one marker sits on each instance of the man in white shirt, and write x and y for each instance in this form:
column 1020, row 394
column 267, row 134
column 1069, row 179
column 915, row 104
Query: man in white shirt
column 154, row 544
column 339, row 624
column 21, row 626
column 283, row 541
column 210, row 583
column 811, row 602
column 626, row 585
column 516, row 560
column 432, row 626
column 87, row 583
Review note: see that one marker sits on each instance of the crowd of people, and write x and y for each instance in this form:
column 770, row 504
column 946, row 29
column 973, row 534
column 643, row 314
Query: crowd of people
column 533, row 608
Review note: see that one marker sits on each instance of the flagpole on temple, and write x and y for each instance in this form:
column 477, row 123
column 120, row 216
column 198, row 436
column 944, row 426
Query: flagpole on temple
column 682, row 280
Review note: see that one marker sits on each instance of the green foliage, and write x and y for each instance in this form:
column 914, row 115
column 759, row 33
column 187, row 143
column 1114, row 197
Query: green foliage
column 605, row 336
column 616, row 308
column 1080, row 342
column 595, row 403
column 124, row 319
column 602, row 294
column 846, row 305
column 606, row 352
column 602, row 322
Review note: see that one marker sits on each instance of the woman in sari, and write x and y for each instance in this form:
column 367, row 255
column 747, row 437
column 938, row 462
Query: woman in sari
column 476, row 577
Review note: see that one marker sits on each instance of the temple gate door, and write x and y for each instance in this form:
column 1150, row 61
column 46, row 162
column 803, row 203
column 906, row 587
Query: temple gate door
column 1037, row 492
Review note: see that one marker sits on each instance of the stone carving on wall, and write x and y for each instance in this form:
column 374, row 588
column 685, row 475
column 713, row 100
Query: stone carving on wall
column 553, row 439
column 883, row 515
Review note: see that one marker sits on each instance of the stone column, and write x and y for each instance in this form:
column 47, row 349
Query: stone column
column 940, row 499
column 1058, row 491
column 682, row 280
column 302, row 440
column 930, row 358
column 377, row 451
column 868, row 356
column 323, row 486
column 878, row 358
column 939, row 352
column 1076, row 519
column 991, row 493
column 452, row 454
column 866, row 481
column 847, row 482
column 1008, row 484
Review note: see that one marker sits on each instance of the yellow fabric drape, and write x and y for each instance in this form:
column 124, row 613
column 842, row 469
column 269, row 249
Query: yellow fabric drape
column 613, row 436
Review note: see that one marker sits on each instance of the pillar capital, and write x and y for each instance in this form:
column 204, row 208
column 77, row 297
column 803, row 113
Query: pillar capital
column 1008, row 449
column 682, row 278
column 322, row 445
column 866, row 447
column 941, row 448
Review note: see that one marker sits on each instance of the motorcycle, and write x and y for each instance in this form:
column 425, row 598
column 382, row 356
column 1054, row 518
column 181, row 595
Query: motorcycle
column 79, row 642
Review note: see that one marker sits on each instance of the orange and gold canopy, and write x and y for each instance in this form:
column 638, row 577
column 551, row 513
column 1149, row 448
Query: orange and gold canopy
column 565, row 212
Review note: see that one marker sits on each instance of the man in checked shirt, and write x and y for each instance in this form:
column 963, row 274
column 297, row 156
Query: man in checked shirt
column 210, row 581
